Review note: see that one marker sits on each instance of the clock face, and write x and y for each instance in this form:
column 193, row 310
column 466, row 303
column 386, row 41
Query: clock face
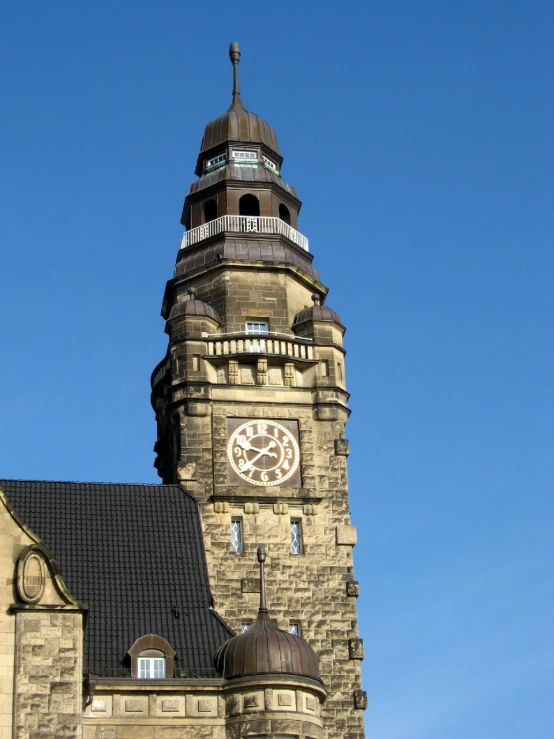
column 263, row 452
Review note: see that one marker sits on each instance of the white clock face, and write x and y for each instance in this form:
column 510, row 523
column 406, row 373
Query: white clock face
column 263, row 452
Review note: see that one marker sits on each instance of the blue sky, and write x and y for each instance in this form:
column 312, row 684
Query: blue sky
column 419, row 138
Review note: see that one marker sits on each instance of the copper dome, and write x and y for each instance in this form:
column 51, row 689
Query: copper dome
column 316, row 312
column 237, row 124
column 193, row 307
column 264, row 648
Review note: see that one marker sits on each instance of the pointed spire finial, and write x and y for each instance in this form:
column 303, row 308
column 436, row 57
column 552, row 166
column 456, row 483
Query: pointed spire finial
column 234, row 56
column 261, row 560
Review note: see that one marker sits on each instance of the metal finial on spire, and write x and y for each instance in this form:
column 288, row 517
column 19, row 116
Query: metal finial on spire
column 261, row 560
column 316, row 297
column 234, row 56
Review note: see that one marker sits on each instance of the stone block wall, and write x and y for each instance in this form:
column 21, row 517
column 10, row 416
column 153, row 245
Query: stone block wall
column 49, row 669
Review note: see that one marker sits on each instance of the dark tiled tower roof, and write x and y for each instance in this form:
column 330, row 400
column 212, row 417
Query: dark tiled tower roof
column 134, row 554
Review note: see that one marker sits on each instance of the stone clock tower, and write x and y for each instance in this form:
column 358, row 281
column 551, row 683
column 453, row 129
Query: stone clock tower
column 251, row 404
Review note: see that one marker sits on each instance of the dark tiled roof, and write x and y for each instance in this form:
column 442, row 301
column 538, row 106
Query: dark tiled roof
column 131, row 553
column 248, row 251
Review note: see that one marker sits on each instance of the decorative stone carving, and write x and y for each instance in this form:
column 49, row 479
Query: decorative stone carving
column 251, row 507
column 290, row 374
column 170, row 705
column 251, row 701
column 134, row 705
column 346, row 536
column 187, row 472
column 221, row 506
column 232, row 706
column 31, row 577
column 310, row 509
column 352, row 588
column 356, row 648
column 284, row 699
column 310, row 703
column 280, row 508
column 250, row 585
column 233, row 372
column 342, row 447
column 99, row 705
column 262, row 371
column 360, row 699
column 205, row 705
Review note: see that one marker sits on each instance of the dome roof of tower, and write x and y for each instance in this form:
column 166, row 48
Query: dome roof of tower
column 238, row 124
column 193, row 307
column 264, row 648
column 316, row 312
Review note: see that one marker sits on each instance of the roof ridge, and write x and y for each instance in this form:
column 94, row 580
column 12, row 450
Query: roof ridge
column 94, row 482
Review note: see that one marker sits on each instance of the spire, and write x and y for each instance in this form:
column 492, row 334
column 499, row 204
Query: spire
column 234, row 56
column 261, row 560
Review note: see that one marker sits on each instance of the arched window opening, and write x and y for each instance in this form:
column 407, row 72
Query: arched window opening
column 284, row 213
column 210, row 210
column 249, row 205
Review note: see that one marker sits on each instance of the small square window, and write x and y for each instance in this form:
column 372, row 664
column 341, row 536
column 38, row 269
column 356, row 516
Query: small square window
column 257, row 328
column 236, row 535
column 294, row 628
column 245, row 625
column 296, row 537
column 242, row 154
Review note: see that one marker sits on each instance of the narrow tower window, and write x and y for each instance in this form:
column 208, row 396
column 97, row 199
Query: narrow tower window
column 210, row 210
column 294, row 628
column 296, row 537
column 249, row 205
column 284, row 213
column 236, row 535
column 245, row 625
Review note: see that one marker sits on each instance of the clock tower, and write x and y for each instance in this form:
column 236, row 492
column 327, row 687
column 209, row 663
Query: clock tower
column 251, row 404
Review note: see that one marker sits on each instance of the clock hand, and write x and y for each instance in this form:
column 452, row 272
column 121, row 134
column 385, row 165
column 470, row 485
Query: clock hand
column 260, row 454
column 247, row 446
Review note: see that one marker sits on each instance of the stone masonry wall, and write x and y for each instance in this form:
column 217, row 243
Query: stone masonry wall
column 315, row 589
column 49, row 675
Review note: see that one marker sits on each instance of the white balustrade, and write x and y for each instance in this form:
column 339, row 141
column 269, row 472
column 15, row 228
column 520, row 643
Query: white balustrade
column 260, row 345
column 244, row 224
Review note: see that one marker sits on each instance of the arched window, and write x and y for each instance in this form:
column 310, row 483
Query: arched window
column 152, row 658
column 249, row 205
column 284, row 214
column 210, row 210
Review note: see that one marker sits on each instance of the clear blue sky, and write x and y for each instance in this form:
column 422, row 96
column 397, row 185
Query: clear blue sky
column 419, row 136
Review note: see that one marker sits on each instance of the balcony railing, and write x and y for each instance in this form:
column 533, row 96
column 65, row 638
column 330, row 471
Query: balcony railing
column 278, row 344
column 244, row 224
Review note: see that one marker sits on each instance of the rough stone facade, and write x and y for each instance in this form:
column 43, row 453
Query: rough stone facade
column 262, row 706
column 41, row 627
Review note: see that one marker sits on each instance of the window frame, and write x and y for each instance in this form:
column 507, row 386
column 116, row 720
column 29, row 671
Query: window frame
column 237, row 520
column 299, row 538
column 151, row 662
column 216, row 161
column 256, row 322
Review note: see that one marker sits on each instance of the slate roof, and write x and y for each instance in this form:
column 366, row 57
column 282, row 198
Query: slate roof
column 131, row 553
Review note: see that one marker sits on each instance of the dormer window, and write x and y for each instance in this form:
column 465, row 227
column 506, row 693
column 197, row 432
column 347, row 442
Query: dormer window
column 152, row 658
column 271, row 165
column 216, row 161
column 242, row 154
